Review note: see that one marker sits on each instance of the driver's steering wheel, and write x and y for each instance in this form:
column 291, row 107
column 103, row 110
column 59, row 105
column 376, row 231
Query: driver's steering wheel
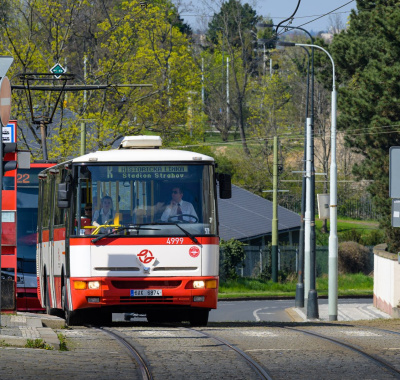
column 196, row 219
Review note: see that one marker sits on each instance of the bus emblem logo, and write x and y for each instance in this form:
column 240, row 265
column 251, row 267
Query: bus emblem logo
column 145, row 256
column 194, row 251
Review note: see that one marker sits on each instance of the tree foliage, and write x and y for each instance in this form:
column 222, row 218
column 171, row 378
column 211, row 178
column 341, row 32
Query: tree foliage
column 368, row 62
column 232, row 30
column 110, row 43
column 233, row 255
column 233, row 19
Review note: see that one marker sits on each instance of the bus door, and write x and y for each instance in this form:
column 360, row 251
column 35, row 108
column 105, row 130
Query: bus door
column 52, row 260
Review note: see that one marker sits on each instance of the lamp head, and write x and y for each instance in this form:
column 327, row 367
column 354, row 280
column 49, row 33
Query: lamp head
column 284, row 43
column 264, row 25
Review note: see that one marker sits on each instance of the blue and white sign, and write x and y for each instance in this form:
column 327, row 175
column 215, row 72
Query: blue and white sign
column 9, row 133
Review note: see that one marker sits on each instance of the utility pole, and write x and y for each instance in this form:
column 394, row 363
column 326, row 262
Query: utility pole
column 227, row 92
column 83, row 124
column 274, row 251
column 307, row 215
column 275, row 231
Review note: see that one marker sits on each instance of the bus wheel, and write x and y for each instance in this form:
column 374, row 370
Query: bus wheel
column 72, row 318
column 152, row 317
column 47, row 298
column 98, row 318
column 64, row 304
column 199, row 317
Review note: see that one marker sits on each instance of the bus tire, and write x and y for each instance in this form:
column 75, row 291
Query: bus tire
column 104, row 319
column 153, row 317
column 64, row 300
column 72, row 318
column 47, row 297
column 198, row 317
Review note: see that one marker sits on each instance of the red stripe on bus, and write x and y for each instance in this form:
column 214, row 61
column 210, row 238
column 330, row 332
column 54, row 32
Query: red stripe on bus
column 145, row 241
column 59, row 234
column 45, row 235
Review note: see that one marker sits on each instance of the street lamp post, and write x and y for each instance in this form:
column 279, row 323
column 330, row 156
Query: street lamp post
column 333, row 241
column 303, row 282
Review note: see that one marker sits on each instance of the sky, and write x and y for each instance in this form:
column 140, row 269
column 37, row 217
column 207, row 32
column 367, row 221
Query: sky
column 306, row 15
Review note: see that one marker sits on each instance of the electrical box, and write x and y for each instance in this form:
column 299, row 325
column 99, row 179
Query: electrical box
column 24, row 159
column 323, row 205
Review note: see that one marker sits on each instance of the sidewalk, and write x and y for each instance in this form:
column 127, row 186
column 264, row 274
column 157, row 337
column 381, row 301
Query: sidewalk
column 15, row 330
column 346, row 312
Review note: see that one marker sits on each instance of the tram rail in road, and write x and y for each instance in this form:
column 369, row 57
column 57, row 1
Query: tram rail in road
column 142, row 362
column 145, row 367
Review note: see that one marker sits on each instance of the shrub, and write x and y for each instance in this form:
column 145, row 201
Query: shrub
column 233, row 254
column 353, row 258
column 350, row 235
column 375, row 237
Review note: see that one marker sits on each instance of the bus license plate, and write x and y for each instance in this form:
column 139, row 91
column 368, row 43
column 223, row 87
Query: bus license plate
column 146, row 292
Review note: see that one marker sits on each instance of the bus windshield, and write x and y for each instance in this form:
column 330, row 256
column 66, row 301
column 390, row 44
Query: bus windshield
column 139, row 200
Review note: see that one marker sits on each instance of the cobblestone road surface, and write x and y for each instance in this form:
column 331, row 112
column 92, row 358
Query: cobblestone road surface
column 175, row 352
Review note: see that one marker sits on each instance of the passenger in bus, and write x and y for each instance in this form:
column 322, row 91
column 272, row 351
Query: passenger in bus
column 105, row 214
column 178, row 209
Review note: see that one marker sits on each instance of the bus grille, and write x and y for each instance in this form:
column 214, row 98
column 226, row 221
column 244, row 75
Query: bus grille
column 119, row 284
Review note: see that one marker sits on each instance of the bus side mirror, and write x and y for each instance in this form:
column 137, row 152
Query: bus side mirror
column 63, row 195
column 225, row 186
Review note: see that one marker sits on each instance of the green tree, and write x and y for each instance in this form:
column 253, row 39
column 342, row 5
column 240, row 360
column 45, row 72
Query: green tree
column 232, row 31
column 233, row 19
column 124, row 43
column 233, row 255
column 367, row 56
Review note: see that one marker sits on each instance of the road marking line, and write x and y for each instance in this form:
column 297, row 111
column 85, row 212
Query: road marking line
column 273, row 349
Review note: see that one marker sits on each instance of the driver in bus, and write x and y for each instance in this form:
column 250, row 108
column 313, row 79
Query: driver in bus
column 105, row 214
column 178, row 209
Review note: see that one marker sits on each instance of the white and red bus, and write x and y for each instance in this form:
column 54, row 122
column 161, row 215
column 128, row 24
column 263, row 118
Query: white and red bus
column 138, row 261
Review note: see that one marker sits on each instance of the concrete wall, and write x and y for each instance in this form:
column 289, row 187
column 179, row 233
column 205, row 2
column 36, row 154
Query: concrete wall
column 386, row 281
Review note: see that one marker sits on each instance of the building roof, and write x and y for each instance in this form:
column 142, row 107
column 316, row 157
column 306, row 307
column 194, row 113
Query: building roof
column 247, row 215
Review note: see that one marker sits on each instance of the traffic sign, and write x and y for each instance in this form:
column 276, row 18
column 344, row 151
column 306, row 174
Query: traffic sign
column 394, row 172
column 5, row 101
column 57, row 70
column 5, row 63
column 9, row 132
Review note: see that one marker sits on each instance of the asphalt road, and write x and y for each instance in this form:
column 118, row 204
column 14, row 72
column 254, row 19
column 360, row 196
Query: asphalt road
column 254, row 310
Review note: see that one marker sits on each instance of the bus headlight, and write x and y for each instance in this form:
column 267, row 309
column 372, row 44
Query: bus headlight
column 94, row 285
column 198, row 285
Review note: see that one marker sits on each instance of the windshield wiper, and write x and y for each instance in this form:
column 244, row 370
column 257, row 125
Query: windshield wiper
column 187, row 233
column 137, row 227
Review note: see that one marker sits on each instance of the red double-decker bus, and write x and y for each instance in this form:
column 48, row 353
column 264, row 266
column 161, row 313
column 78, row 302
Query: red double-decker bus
column 27, row 211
